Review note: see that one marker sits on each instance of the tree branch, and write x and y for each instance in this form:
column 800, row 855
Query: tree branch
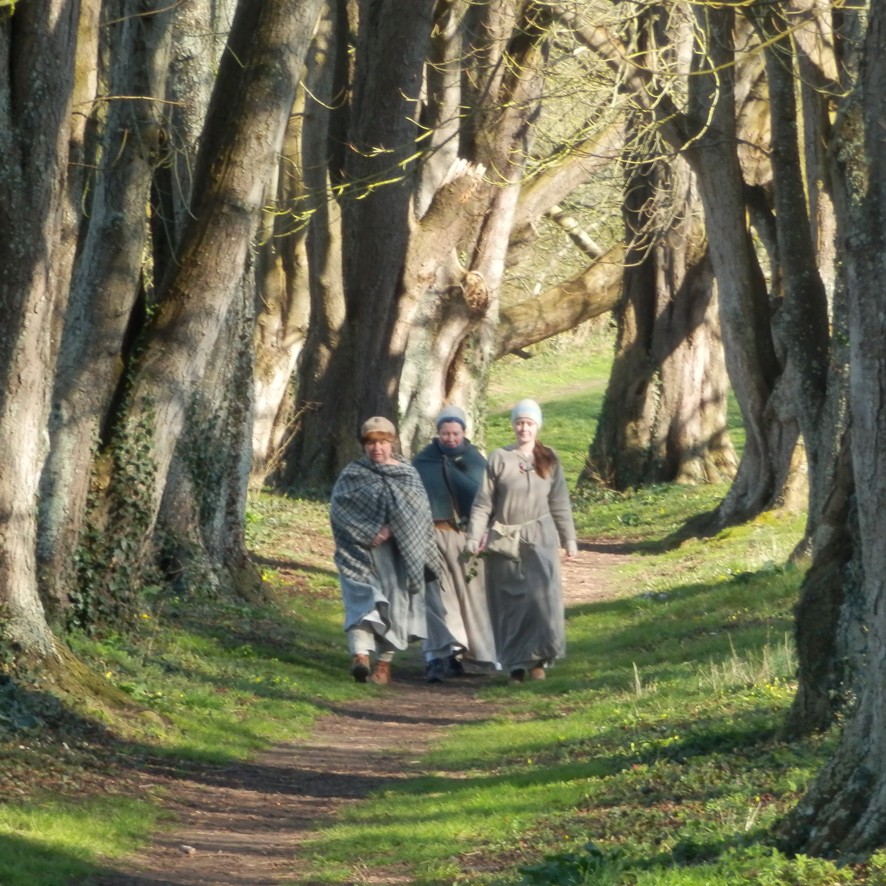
column 564, row 306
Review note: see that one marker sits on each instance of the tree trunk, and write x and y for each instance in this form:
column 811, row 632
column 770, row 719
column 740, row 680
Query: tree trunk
column 392, row 46
column 844, row 812
column 664, row 414
column 511, row 79
column 706, row 135
column 751, row 359
column 829, row 616
column 802, row 322
column 283, row 301
column 198, row 40
column 107, row 283
column 38, row 50
column 830, row 624
column 247, row 120
column 324, row 438
column 424, row 247
column 595, row 291
column 202, row 513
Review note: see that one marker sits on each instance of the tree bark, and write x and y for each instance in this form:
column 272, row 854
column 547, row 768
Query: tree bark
column 664, row 413
column 844, row 812
column 802, row 322
column 201, row 517
column 283, row 299
column 392, row 46
column 38, row 52
column 751, row 357
column 108, row 286
column 814, row 380
column 247, row 120
column 595, row 291
column 324, row 437
column 423, row 246
column 512, row 44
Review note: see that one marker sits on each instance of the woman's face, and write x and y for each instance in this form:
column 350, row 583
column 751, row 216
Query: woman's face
column 451, row 434
column 525, row 430
column 379, row 451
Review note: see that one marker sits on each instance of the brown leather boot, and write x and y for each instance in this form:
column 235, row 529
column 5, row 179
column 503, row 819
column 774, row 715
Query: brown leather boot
column 360, row 668
column 382, row 673
column 537, row 673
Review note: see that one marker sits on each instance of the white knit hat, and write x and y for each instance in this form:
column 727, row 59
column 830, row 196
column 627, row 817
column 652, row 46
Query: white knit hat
column 526, row 409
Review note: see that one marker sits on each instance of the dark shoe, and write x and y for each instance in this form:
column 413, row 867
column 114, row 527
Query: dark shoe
column 454, row 667
column 518, row 675
column 360, row 668
column 537, row 673
column 434, row 671
column 382, row 673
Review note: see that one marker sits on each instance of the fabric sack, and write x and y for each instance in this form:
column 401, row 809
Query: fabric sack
column 504, row 540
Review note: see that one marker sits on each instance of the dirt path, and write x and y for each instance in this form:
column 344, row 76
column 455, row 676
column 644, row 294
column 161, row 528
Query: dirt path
column 243, row 825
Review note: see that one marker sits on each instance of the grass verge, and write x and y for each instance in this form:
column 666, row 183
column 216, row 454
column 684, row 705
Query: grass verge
column 653, row 754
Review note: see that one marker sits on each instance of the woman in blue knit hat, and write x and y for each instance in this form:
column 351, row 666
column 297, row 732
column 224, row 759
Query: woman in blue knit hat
column 521, row 518
column 459, row 630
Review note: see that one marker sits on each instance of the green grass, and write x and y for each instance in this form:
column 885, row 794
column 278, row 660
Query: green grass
column 657, row 740
column 221, row 679
column 652, row 755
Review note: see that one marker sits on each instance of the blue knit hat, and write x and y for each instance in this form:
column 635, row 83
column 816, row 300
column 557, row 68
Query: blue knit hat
column 526, row 409
column 452, row 413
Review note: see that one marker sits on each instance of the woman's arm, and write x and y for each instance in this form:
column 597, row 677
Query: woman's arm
column 561, row 510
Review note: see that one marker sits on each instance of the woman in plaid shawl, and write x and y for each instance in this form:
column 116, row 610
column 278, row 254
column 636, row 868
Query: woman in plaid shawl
column 384, row 551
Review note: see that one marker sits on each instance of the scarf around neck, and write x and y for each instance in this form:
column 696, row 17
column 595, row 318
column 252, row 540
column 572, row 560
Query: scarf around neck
column 452, row 476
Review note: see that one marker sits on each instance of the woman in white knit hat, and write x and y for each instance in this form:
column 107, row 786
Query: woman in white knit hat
column 522, row 517
column 384, row 551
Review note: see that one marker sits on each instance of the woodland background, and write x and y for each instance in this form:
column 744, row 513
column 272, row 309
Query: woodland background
column 231, row 231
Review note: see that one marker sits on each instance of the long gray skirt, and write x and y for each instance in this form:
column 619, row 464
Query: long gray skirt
column 382, row 601
column 458, row 609
column 526, row 600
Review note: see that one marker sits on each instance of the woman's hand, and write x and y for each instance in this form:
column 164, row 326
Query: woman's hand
column 571, row 549
column 381, row 536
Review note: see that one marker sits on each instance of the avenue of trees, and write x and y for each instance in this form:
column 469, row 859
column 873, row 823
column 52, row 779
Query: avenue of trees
column 230, row 230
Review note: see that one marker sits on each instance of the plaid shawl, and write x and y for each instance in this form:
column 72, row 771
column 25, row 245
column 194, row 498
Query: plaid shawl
column 367, row 496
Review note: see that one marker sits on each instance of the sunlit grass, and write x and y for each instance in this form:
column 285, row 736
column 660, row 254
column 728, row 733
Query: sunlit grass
column 657, row 739
column 568, row 379
column 57, row 840
column 652, row 754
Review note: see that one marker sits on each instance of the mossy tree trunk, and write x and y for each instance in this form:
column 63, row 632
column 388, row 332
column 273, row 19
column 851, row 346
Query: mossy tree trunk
column 844, row 812
column 108, row 290
column 185, row 412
